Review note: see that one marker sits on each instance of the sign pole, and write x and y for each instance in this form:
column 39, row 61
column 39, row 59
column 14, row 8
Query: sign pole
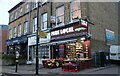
column 37, row 60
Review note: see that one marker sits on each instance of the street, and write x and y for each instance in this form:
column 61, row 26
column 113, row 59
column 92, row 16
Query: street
column 30, row 69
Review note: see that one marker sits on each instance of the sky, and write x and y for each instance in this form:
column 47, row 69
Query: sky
column 5, row 6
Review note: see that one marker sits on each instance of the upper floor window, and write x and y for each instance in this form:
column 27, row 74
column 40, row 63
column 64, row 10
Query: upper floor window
column 10, row 33
column 34, row 24
column 35, row 3
column 21, row 10
column 14, row 34
column 25, row 27
column 44, row 1
column 11, row 17
column 60, row 16
column 26, row 8
column 44, row 21
column 75, row 10
column 16, row 14
column 19, row 30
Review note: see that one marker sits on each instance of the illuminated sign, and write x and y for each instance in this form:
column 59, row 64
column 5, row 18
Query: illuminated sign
column 84, row 23
column 80, row 29
column 62, row 31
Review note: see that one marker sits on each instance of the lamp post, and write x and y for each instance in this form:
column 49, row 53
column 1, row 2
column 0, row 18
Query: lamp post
column 37, row 60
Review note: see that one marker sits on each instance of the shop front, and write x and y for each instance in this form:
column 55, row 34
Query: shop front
column 43, row 49
column 70, row 43
column 17, row 44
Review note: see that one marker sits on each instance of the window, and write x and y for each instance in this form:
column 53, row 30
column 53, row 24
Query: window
column 19, row 29
column 34, row 24
column 75, row 10
column 10, row 33
column 44, row 21
column 60, row 16
column 11, row 17
column 25, row 27
column 35, row 4
column 21, row 11
column 27, row 8
column 15, row 14
column 14, row 34
column 44, row 1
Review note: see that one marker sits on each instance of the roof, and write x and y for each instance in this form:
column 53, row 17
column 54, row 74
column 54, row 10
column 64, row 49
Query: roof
column 16, row 6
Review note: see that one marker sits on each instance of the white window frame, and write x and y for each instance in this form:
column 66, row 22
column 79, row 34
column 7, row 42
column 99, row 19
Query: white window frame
column 44, row 20
column 10, row 33
column 58, row 22
column 16, row 14
column 19, row 29
column 14, row 32
column 26, row 7
column 71, row 11
column 34, row 25
column 44, row 1
column 11, row 17
column 21, row 11
column 25, row 27
column 35, row 4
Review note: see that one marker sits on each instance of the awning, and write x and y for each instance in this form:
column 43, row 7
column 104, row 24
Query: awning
column 17, row 40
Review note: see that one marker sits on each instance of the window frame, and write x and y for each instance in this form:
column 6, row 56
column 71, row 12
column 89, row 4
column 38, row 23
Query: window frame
column 16, row 15
column 11, row 17
column 46, row 21
column 20, row 29
column 14, row 32
column 35, row 4
column 34, row 26
column 71, row 11
column 25, row 27
column 63, row 15
column 21, row 11
column 10, row 33
column 27, row 7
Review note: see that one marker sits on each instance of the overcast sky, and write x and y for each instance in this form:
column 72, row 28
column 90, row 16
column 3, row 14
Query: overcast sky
column 5, row 6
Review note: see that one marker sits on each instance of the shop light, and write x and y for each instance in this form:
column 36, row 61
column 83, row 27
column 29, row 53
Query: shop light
column 82, row 39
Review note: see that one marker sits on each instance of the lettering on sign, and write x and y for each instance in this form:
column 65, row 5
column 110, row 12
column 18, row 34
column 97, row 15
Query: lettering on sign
column 62, row 31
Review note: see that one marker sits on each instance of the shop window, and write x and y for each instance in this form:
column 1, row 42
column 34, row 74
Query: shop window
column 75, row 10
column 44, row 52
column 60, row 16
column 44, row 21
column 19, row 30
column 34, row 24
column 25, row 27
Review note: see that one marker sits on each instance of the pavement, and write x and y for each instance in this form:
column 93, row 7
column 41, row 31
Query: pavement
column 30, row 69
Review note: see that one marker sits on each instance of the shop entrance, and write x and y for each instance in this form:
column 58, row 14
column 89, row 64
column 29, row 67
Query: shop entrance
column 75, row 50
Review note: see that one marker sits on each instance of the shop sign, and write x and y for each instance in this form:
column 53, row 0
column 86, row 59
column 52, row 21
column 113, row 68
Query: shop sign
column 84, row 23
column 45, row 40
column 62, row 31
column 72, row 35
column 110, row 36
column 42, row 34
column 80, row 29
column 32, row 40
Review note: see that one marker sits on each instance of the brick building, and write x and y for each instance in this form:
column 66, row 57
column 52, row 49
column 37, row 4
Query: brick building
column 66, row 27
column 3, row 38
